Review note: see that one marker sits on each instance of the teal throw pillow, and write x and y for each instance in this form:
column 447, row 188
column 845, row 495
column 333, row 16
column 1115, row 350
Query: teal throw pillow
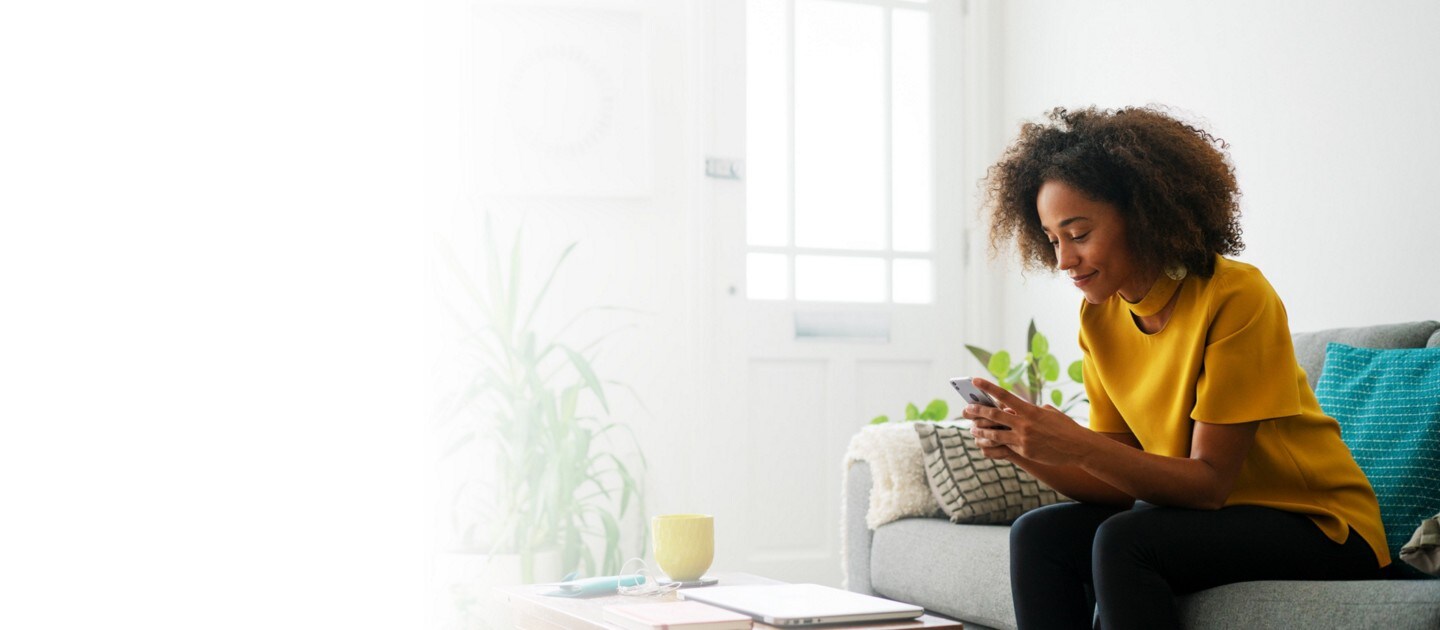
column 1388, row 406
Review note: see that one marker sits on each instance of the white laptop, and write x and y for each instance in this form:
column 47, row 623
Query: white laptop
column 801, row 604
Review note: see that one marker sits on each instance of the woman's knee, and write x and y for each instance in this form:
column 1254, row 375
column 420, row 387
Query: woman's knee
column 1129, row 533
column 1033, row 535
column 1042, row 530
column 1037, row 524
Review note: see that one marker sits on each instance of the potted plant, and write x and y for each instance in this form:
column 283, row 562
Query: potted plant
column 555, row 475
column 1036, row 370
column 1037, row 373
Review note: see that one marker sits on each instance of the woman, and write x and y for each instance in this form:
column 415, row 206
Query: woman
column 1207, row 460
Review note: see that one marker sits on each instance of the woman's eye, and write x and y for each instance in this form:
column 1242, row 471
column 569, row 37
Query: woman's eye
column 1081, row 237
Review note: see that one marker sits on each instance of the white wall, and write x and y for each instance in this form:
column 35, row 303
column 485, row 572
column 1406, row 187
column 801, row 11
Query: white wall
column 1329, row 110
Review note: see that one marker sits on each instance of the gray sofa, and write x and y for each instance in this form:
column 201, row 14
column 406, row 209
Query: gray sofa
column 963, row 571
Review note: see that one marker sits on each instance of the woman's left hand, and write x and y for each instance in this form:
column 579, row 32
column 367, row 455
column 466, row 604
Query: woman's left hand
column 1042, row 434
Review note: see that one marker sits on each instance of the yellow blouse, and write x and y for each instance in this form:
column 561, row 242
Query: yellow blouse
column 1225, row 357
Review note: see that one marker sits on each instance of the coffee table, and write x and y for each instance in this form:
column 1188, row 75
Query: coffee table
column 529, row 610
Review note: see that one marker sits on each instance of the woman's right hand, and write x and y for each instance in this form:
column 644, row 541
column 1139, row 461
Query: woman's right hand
column 988, row 448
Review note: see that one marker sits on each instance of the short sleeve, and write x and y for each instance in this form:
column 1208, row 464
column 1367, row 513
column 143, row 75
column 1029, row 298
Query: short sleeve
column 1249, row 370
column 1104, row 417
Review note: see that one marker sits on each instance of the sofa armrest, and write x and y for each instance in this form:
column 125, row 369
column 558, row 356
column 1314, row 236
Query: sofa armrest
column 856, row 536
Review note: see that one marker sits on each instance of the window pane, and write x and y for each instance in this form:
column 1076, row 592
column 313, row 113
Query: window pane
column 914, row 282
column 839, row 279
column 767, row 125
column 910, row 129
column 767, row 277
column 840, row 174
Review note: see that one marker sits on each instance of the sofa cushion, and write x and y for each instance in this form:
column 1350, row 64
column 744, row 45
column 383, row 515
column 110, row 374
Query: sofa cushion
column 972, row 488
column 1310, row 346
column 961, row 571
column 1390, row 604
column 1388, row 406
column 1434, row 340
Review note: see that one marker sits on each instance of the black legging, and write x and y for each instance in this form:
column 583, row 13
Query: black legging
column 1135, row 561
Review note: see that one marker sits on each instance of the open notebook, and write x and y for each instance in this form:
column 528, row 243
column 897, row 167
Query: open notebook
column 801, row 604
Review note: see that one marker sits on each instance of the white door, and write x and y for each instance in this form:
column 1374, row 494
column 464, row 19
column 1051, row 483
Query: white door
column 837, row 256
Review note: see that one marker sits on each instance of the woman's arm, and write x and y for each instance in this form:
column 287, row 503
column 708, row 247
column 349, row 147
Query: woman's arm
column 1202, row 481
column 1045, row 436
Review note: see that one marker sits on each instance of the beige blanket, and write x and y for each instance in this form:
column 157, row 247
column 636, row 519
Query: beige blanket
column 898, row 486
column 897, row 467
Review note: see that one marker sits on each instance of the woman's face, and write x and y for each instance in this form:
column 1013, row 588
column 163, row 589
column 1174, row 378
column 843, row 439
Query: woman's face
column 1090, row 246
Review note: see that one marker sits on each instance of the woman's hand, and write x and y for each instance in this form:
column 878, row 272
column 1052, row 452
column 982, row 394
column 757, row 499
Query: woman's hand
column 1017, row 427
column 989, row 448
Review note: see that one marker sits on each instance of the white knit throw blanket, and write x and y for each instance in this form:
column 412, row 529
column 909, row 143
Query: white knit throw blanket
column 899, row 487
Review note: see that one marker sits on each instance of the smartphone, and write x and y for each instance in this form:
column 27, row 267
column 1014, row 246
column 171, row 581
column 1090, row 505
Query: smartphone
column 970, row 392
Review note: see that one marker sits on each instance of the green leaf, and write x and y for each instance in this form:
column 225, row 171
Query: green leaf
column 628, row 487
column 588, row 558
column 1016, row 371
column 1030, row 332
column 1022, row 391
column 880, row 420
column 936, row 410
column 583, row 367
column 612, row 542
column 1039, row 345
column 1071, row 404
column 981, row 354
column 1077, row 371
column 1057, row 398
column 512, row 297
column 1032, row 375
column 911, row 412
column 583, row 438
column 1050, row 368
column 568, row 399
column 999, row 364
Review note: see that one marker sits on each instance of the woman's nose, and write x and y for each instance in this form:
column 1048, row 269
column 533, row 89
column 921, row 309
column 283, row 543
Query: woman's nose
column 1065, row 256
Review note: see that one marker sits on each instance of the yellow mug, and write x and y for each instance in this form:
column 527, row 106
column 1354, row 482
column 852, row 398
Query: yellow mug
column 684, row 544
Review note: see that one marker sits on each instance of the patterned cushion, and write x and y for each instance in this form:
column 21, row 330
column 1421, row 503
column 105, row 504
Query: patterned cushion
column 971, row 488
column 1388, row 406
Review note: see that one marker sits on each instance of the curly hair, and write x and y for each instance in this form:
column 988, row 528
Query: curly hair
column 1172, row 182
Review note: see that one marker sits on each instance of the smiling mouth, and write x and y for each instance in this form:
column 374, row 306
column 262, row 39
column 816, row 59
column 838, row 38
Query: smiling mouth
column 1081, row 281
